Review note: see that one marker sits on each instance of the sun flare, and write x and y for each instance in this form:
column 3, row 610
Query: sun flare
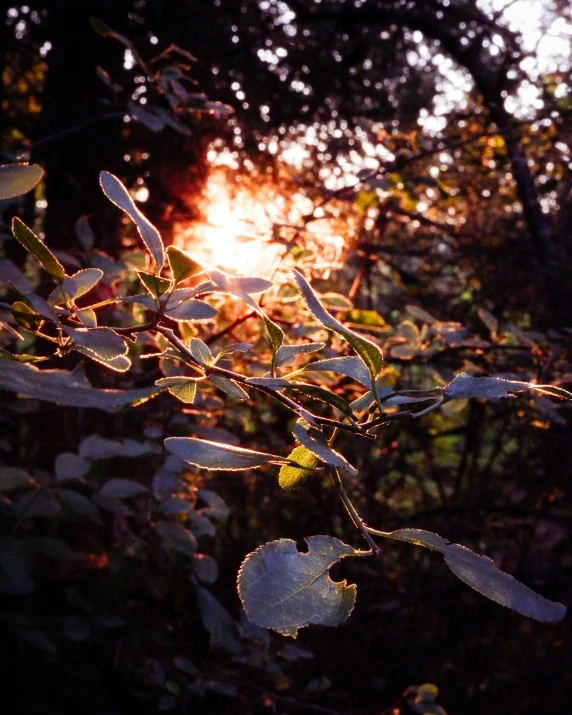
column 249, row 231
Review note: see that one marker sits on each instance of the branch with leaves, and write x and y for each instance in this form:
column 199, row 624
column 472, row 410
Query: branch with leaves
column 280, row 587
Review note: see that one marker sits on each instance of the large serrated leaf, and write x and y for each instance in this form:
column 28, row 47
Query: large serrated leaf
column 37, row 248
column 118, row 194
column 480, row 573
column 64, row 388
column 313, row 439
column 215, row 455
column 368, row 351
column 18, row 179
column 282, row 589
column 291, row 476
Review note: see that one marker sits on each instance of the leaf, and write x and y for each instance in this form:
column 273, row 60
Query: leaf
column 215, row 455
column 54, row 548
column 37, row 248
column 26, row 316
column 39, row 502
column 64, row 388
column 154, row 284
column 78, row 505
column 480, row 573
column 286, row 354
column 183, row 388
column 323, row 394
column 14, row 567
column 18, row 179
column 274, row 383
column 489, row 320
column 102, row 344
column 205, row 568
column 118, row 194
column 496, row 387
column 229, row 386
column 349, row 366
column 147, row 118
column 283, row 589
column 75, row 286
column 96, row 447
column 13, row 478
column 70, row 467
column 176, row 537
column 201, row 352
column 291, row 477
column 313, row 439
column 369, row 352
column 217, row 621
column 182, row 265
column 100, row 27
column 234, row 348
column 122, row 489
column 190, row 310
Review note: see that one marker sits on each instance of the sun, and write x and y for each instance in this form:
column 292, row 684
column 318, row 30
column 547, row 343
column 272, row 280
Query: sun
column 249, row 230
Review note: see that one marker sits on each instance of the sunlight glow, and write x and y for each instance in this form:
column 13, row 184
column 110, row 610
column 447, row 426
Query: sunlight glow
column 250, row 231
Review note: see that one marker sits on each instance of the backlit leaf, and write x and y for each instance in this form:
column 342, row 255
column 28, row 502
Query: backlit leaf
column 349, row 366
column 18, row 179
column 201, row 352
column 182, row 265
column 118, row 194
column 496, row 387
column 154, row 284
column 190, row 310
column 283, row 589
column 183, row 388
column 291, row 477
column 37, row 248
column 313, row 439
column 64, row 388
column 480, row 573
column 369, row 352
column 229, row 386
column 215, row 455
column 103, row 343
column 286, row 354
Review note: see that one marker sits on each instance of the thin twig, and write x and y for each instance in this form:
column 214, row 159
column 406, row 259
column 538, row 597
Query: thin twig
column 354, row 516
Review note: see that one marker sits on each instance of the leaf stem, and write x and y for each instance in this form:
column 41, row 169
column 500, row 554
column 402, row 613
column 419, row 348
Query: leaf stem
column 354, row 516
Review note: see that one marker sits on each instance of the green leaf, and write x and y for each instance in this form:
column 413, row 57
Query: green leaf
column 229, row 386
column 66, row 388
column 369, row 352
column 282, row 589
column 201, row 352
column 313, row 439
column 118, row 194
column 183, row 388
column 154, row 284
column 122, row 489
column 286, row 354
column 13, row 478
column 349, row 366
column 176, row 537
column 26, row 316
column 274, row 383
column 182, row 265
column 215, row 455
column 18, row 179
column 480, row 573
column 291, row 477
column 37, row 248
